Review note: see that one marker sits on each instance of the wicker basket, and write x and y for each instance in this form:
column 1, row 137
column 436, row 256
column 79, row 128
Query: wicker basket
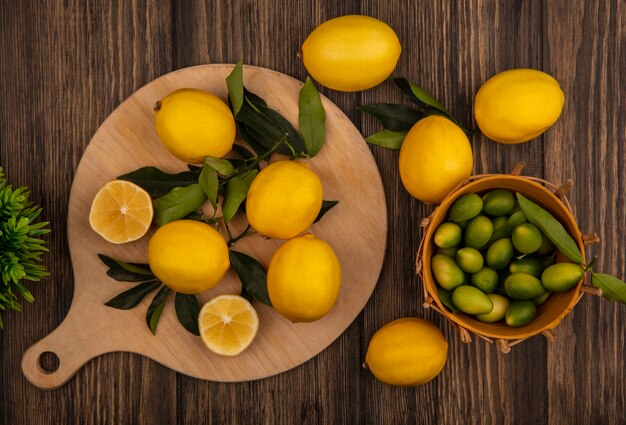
column 550, row 313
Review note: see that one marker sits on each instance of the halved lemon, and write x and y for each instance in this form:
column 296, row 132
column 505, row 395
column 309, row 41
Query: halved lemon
column 121, row 212
column 228, row 324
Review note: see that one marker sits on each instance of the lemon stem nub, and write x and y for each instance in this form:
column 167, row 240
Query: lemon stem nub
column 157, row 105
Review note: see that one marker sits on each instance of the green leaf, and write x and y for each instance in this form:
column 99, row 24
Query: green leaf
column 312, row 118
column 236, row 191
column 129, row 299
column 156, row 308
column 245, row 294
column 393, row 117
column 222, row 166
column 243, row 152
column 178, row 203
column 157, row 183
column 244, row 131
column 209, row 183
column 187, row 310
column 234, row 82
column 252, row 275
column 126, row 272
column 420, row 96
column 424, row 99
column 550, row 227
column 613, row 289
column 326, row 206
column 387, row 139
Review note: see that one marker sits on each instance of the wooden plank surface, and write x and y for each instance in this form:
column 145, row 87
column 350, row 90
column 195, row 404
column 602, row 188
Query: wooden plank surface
column 65, row 65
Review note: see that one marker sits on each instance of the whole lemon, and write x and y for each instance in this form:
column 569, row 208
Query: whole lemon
column 193, row 124
column 351, row 53
column 518, row 105
column 434, row 158
column 407, row 352
column 188, row 256
column 284, row 199
column 304, row 278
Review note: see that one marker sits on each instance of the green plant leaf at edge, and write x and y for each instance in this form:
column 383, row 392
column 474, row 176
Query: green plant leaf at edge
column 156, row 308
column 187, row 310
column 209, row 183
column 178, row 203
column 158, row 183
column 550, row 227
column 126, row 272
column 326, row 206
column 393, row 117
column 312, row 118
column 252, row 275
column 613, row 289
column 387, row 139
column 236, row 191
column 234, row 82
column 130, row 298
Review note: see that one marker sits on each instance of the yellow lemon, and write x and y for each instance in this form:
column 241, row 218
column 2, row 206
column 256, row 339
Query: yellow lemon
column 121, row 212
column 228, row 324
column 435, row 157
column 518, row 105
column 407, row 352
column 351, row 53
column 188, row 256
column 284, row 199
column 193, row 124
column 304, row 278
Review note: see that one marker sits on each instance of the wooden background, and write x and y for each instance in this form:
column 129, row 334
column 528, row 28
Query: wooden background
column 65, row 65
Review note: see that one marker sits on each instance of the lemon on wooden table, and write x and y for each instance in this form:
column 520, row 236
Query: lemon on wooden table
column 351, row 53
column 188, row 256
column 228, row 324
column 434, row 158
column 121, row 212
column 304, row 278
column 284, row 199
column 518, row 105
column 193, row 124
column 407, row 352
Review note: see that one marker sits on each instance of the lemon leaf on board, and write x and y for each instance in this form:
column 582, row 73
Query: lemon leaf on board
column 222, row 166
column 130, row 298
column 387, row 139
column 178, row 203
column 126, row 272
column 209, row 183
column 252, row 275
column 156, row 308
column 236, row 191
column 158, row 183
column 326, row 206
column 613, row 289
column 312, row 118
column 234, row 82
column 187, row 310
column 393, row 117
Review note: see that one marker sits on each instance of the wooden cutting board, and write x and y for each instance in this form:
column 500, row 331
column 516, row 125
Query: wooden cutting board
column 127, row 140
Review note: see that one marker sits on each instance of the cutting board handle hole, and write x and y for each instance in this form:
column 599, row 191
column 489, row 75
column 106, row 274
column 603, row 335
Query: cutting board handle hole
column 49, row 362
